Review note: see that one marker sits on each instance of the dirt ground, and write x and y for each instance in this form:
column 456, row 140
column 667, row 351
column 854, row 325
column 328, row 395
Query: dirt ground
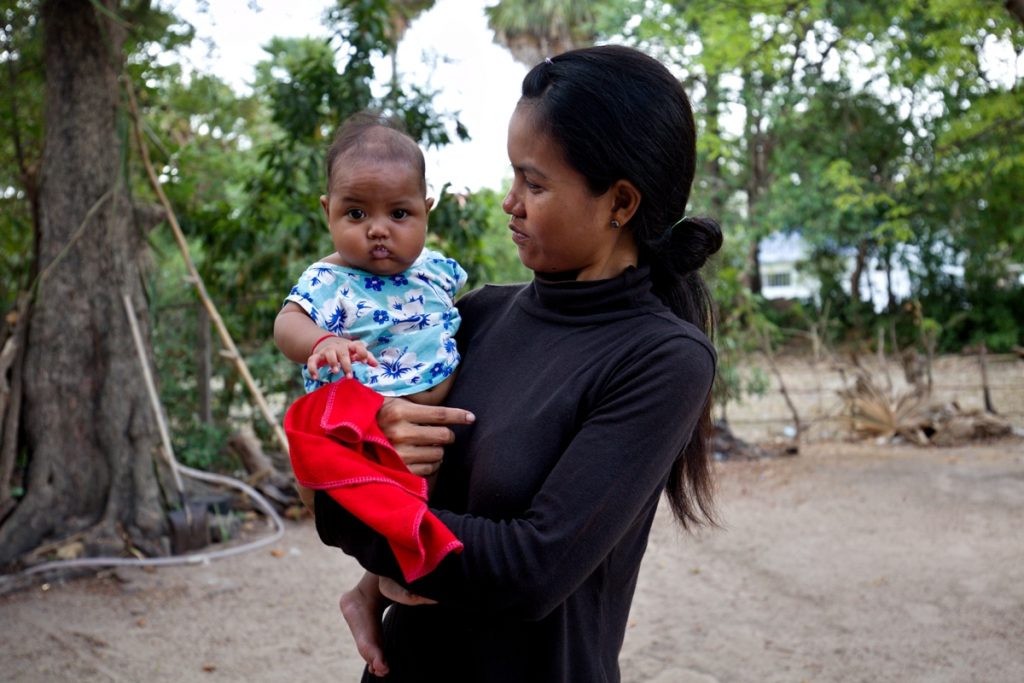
column 845, row 563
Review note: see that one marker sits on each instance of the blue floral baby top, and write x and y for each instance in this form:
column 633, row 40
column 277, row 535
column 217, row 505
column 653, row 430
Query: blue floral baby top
column 408, row 321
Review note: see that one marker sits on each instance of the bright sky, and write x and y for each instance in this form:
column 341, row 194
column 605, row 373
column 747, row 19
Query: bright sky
column 477, row 78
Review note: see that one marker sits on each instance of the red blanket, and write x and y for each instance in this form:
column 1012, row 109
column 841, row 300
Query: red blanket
column 336, row 446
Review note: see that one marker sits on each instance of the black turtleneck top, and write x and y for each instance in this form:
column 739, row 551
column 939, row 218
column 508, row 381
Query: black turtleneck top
column 584, row 393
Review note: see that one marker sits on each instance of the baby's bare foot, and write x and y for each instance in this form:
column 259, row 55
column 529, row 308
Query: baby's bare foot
column 363, row 613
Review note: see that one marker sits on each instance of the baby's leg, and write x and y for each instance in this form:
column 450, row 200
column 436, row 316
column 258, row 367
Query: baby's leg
column 363, row 607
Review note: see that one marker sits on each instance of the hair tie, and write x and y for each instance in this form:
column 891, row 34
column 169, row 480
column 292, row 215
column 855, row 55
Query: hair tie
column 692, row 241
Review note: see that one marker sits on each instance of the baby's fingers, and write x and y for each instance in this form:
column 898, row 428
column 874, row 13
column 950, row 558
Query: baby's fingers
column 313, row 364
column 344, row 363
column 329, row 357
column 359, row 352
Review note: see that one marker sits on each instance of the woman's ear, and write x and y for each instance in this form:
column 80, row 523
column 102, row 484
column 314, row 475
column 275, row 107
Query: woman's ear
column 625, row 200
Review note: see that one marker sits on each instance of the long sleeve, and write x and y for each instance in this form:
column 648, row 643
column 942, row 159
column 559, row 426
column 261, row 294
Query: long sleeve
column 606, row 482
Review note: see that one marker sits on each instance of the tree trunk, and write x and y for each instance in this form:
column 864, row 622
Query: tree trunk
column 759, row 150
column 719, row 191
column 859, row 264
column 1016, row 8
column 752, row 274
column 86, row 424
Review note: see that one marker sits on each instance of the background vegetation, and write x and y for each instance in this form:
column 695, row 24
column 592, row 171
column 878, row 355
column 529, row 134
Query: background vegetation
column 890, row 131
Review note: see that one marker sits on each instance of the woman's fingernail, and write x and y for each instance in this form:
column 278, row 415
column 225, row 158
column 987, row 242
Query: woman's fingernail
column 470, row 417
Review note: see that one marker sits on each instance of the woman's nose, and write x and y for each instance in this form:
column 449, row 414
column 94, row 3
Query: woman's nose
column 508, row 204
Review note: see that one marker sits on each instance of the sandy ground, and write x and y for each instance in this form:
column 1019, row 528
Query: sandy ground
column 846, row 563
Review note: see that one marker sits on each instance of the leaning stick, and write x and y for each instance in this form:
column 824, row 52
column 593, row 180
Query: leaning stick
column 195, row 279
column 154, row 398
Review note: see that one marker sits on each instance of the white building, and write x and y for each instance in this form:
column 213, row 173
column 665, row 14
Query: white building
column 782, row 256
column 779, row 258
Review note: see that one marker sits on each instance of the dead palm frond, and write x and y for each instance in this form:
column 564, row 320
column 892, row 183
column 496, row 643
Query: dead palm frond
column 872, row 412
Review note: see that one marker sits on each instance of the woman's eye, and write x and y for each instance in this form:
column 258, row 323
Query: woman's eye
column 355, row 214
column 399, row 214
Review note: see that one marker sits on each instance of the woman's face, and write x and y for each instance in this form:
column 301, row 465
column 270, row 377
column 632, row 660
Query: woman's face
column 557, row 223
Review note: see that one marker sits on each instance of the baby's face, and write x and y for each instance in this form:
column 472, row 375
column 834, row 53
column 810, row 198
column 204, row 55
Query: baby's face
column 377, row 215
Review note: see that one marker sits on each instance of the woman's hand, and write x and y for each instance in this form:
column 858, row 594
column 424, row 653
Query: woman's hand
column 392, row 590
column 419, row 432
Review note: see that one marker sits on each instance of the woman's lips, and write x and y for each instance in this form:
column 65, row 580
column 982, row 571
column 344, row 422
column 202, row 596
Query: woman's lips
column 517, row 237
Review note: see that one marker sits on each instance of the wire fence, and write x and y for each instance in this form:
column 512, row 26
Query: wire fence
column 814, row 387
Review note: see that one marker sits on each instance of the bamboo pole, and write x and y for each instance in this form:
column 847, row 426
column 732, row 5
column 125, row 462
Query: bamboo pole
column 195, row 279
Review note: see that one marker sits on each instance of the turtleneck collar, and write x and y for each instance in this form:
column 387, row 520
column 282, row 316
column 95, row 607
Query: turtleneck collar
column 591, row 301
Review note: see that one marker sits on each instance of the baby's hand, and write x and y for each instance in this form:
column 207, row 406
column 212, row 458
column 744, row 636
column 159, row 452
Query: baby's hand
column 338, row 354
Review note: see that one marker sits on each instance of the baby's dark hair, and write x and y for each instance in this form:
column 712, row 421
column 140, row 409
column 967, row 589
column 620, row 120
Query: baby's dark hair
column 373, row 136
column 617, row 114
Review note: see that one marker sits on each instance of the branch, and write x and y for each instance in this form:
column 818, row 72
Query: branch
column 1008, row 124
column 79, row 231
column 787, row 9
column 1016, row 8
column 769, row 355
column 196, row 279
column 10, row 401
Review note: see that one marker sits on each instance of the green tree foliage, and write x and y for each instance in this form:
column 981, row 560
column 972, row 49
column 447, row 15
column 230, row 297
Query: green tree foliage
column 867, row 128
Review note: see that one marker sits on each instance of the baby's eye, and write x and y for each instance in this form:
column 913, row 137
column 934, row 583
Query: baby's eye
column 355, row 214
column 399, row 214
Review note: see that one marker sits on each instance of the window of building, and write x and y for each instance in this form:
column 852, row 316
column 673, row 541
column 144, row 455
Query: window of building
column 783, row 279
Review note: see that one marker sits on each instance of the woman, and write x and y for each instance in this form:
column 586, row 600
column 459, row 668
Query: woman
column 589, row 387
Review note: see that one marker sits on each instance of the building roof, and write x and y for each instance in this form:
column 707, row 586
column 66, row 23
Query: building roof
column 782, row 248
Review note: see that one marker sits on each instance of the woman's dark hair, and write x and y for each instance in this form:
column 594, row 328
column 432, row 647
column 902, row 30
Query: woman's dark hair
column 372, row 136
column 619, row 114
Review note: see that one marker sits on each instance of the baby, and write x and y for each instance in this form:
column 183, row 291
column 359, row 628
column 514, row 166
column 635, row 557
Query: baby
column 380, row 308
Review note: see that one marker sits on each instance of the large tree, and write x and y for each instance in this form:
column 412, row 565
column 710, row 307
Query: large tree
column 535, row 29
column 79, row 440
column 85, row 424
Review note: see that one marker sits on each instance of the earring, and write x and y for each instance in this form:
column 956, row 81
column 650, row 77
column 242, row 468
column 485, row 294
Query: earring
column 616, row 224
